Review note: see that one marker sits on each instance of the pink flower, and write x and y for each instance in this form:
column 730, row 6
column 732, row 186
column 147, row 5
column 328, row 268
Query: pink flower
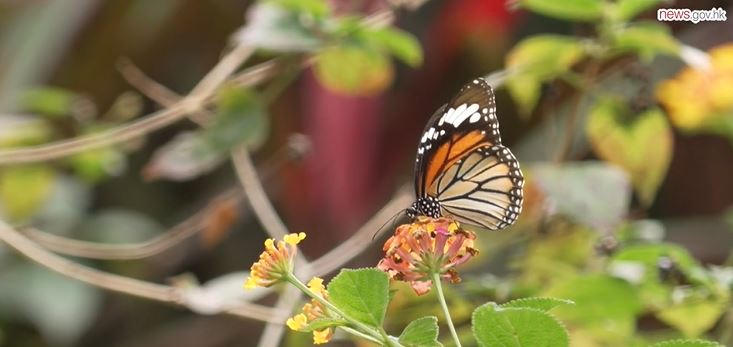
column 425, row 247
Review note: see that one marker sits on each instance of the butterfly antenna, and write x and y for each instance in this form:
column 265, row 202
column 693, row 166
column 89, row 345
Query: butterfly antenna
column 389, row 222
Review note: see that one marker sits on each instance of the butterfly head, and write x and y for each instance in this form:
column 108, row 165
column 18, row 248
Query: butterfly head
column 427, row 206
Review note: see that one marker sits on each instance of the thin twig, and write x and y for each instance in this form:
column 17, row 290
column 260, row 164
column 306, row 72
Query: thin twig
column 201, row 95
column 117, row 283
column 362, row 238
column 85, row 249
column 220, row 73
column 255, row 193
column 133, row 130
column 143, row 126
column 570, row 125
column 273, row 332
column 246, row 172
column 170, row 238
column 154, row 90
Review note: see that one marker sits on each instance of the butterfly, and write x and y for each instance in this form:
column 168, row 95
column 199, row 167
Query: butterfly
column 462, row 170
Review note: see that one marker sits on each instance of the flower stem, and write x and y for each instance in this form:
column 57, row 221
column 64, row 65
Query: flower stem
column 372, row 332
column 441, row 298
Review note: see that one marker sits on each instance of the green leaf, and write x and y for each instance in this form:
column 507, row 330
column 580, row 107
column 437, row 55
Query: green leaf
column 537, row 303
column 673, row 285
column 94, row 165
column 545, row 56
column 687, row 343
column 647, row 39
column 60, row 308
column 23, row 189
column 362, row 294
column 241, row 118
column 17, row 131
column 353, row 70
column 49, row 101
column 186, row 156
column 525, row 90
column 595, row 194
column 317, row 8
column 706, row 310
column 270, row 26
column 422, row 332
column 626, row 9
column 539, row 59
column 605, row 307
column 559, row 255
column 403, row 45
column 576, row 10
column 679, row 290
column 516, row 327
column 641, row 145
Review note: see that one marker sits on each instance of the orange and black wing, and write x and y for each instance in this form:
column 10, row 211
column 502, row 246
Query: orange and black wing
column 462, row 163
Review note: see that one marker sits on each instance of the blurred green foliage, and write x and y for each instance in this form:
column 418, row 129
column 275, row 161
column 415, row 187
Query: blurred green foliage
column 586, row 235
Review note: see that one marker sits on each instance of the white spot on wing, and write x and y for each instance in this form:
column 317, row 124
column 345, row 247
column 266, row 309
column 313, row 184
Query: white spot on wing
column 453, row 114
column 475, row 117
column 464, row 113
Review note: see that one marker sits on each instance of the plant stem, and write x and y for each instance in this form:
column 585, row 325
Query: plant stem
column 374, row 333
column 441, row 298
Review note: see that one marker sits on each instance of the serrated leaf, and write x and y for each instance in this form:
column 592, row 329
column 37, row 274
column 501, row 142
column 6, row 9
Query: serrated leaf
column 240, row 118
column 687, row 343
column 23, row 189
column 641, row 145
column 537, row 303
column 604, row 306
column 516, row 327
column 186, row 156
column 422, row 332
column 362, row 294
column 403, row 45
column 577, row 10
column 353, row 70
column 50, row 101
column 647, row 39
column 592, row 193
column 627, row 9
column 538, row 59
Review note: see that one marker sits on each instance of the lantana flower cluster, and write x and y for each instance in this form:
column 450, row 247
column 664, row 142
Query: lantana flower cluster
column 426, row 247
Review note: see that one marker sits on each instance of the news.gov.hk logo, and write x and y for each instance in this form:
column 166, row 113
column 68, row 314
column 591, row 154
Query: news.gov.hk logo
column 688, row 15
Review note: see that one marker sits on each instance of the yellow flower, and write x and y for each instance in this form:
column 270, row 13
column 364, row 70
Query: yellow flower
column 698, row 99
column 424, row 247
column 297, row 322
column 275, row 263
column 316, row 285
column 313, row 310
column 322, row 336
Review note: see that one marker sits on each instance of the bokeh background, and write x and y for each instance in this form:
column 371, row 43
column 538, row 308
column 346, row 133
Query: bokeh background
column 329, row 160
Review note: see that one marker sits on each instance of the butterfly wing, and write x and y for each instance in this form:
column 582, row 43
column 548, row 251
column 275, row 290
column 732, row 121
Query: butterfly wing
column 461, row 161
column 483, row 188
